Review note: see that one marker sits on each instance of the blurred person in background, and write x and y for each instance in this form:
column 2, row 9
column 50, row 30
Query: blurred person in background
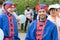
column 28, row 13
column 1, row 3
column 52, row 12
column 34, row 14
column 54, row 17
column 58, row 18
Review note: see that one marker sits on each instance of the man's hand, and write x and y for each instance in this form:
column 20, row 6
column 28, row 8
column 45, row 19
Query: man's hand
column 30, row 19
column 18, row 19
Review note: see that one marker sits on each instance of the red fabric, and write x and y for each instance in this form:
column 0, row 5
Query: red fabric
column 11, row 27
column 7, row 38
column 46, row 8
column 38, row 7
column 9, row 5
column 40, row 30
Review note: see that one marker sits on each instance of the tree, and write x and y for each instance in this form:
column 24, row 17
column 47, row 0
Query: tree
column 44, row 0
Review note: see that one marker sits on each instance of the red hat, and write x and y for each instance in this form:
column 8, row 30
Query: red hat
column 41, row 6
column 10, row 5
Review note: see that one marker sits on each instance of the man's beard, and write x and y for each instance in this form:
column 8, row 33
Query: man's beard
column 42, row 16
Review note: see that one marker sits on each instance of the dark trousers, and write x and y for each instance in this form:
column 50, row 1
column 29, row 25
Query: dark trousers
column 22, row 26
column 26, row 23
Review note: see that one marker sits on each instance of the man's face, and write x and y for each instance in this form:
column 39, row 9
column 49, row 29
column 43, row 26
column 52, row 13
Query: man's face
column 42, row 13
column 28, row 8
column 53, row 12
column 11, row 9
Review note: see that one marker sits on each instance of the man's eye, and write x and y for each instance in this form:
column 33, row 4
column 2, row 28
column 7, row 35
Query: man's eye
column 39, row 11
column 43, row 11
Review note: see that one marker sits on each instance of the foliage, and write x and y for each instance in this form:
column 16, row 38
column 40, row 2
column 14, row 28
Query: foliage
column 21, row 4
